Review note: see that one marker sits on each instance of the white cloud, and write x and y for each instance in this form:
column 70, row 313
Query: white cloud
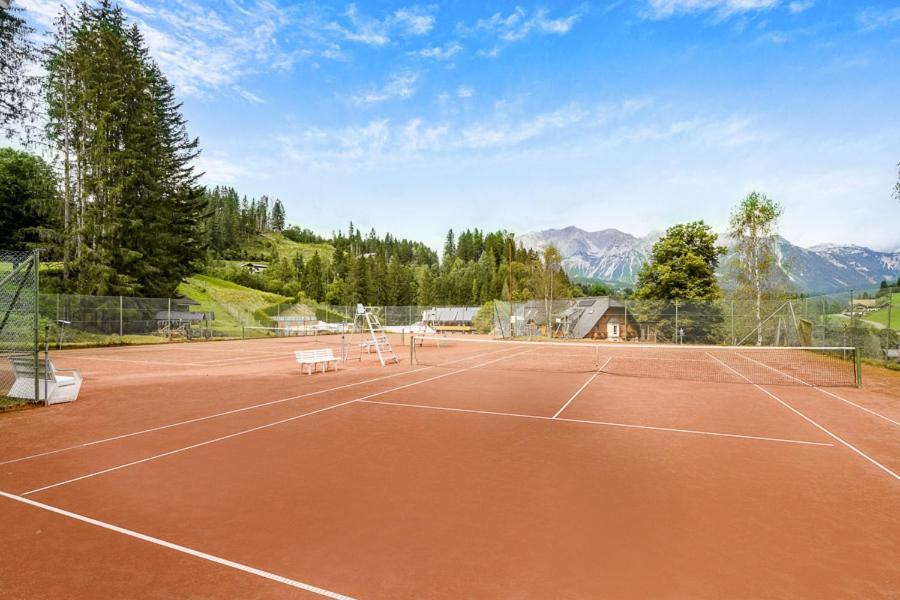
column 377, row 32
column 520, row 24
column 799, row 6
column 663, row 9
column 399, row 85
column 249, row 96
column 873, row 18
column 445, row 52
column 414, row 20
column 208, row 49
column 219, row 169
column 464, row 91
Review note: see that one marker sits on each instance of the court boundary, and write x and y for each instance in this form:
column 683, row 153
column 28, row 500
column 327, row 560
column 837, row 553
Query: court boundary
column 824, row 391
column 603, row 423
column 178, row 547
column 811, row 421
column 225, row 413
column 258, row 427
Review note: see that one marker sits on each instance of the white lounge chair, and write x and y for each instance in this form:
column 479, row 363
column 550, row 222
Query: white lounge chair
column 53, row 387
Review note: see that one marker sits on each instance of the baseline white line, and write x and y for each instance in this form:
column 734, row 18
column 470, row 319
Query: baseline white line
column 179, row 548
column 581, row 389
column 833, row 435
column 824, row 391
column 223, row 414
column 253, row 429
column 603, row 423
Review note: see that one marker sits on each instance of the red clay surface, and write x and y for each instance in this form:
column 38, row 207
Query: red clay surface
column 453, row 481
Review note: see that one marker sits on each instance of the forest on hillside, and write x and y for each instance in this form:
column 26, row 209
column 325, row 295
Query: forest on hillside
column 474, row 267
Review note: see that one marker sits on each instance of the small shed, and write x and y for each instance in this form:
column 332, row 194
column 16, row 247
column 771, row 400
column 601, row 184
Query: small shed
column 459, row 319
column 254, row 267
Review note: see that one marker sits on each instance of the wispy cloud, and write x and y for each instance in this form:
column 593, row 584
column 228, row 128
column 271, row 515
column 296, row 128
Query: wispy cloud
column 249, row 96
column 521, row 24
column 354, row 26
column 464, row 91
column 440, row 53
column 664, row 9
column 204, row 49
column 399, row 85
column 416, row 21
column 382, row 140
column 798, row 6
column 218, row 169
column 874, row 18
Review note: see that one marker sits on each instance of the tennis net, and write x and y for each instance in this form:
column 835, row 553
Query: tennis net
column 726, row 364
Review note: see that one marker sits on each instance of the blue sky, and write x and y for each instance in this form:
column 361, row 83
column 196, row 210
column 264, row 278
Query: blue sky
column 633, row 114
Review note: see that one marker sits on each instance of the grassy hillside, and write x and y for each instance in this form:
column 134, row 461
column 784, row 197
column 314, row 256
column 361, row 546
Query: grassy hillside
column 232, row 304
column 881, row 316
column 264, row 246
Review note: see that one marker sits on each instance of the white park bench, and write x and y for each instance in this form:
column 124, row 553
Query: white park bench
column 313, row 358
column 54, row 387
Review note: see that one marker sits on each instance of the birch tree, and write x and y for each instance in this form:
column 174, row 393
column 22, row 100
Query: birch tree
column 753, row 228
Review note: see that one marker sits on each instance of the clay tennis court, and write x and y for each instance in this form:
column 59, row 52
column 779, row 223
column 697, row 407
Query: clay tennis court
column 218, row 470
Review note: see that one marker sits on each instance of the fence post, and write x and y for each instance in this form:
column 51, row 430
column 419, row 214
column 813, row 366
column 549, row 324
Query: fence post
column 121, row 318
column 169, row 320
column 625, row 333
column 36, row 265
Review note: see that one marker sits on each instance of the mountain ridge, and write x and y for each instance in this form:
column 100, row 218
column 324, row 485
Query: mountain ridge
column 614, row 256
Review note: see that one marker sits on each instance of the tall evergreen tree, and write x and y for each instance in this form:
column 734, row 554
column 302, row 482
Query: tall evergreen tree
column 131, row 205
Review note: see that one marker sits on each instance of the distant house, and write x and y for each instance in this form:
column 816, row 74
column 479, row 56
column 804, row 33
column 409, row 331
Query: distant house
column 599, row 318
column 867, row 305
column 255, row 267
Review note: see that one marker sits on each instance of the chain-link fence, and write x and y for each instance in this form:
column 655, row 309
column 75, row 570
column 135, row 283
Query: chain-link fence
column 19, row 360
column 77, row 320
column 837, row 320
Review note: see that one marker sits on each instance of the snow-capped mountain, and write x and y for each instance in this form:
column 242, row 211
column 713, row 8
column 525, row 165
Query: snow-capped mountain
column 613, row 256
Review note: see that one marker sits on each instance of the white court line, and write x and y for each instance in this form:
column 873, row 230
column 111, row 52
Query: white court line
column 222, row 414
column 207, row 417
column 833, row 435
column 824, row 391
column 254, row 429
column 179, row 548
column 581, row 389
column 140, row 362
column 603, row 423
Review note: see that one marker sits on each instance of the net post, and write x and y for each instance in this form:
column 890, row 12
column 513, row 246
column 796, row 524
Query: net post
column 857, row 366
column 412, row 349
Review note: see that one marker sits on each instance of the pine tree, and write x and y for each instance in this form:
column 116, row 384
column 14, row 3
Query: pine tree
column 131, row 205
column 277, row 219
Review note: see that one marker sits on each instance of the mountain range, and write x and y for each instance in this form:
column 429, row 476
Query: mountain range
column 616, row 257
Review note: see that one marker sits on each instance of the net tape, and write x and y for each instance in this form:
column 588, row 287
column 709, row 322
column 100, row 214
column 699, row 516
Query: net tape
column 826, row 367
